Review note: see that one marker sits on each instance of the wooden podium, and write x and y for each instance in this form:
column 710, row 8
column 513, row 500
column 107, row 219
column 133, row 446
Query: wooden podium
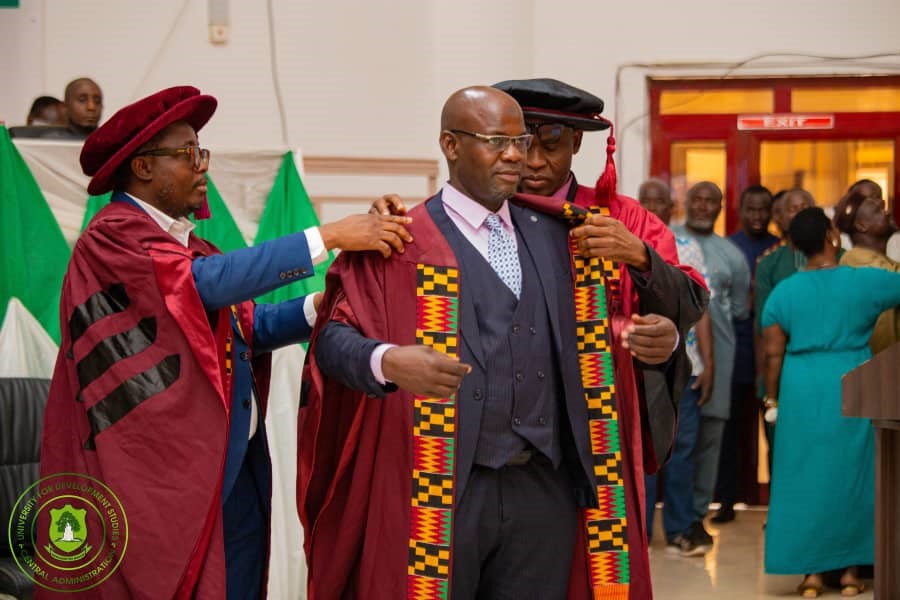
column 872, row 390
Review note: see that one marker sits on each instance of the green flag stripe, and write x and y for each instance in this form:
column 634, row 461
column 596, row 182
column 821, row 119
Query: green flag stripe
column 34, row 251
column 289, row 210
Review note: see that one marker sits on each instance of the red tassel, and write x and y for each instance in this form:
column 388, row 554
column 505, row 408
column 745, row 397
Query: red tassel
column 605, row 190
column 203, row 212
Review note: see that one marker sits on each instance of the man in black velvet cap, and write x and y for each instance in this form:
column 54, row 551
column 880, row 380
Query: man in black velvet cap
column 558, row 114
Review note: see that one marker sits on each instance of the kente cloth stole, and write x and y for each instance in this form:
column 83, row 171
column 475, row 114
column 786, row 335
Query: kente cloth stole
column 596, row 279
column 434, row 442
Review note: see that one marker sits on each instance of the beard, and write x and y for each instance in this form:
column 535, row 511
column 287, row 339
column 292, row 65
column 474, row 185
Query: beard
column 167, row 202
column 701, row 224
column 499, row 194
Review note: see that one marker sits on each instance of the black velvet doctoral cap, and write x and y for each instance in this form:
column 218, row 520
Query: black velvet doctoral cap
column 556, row 101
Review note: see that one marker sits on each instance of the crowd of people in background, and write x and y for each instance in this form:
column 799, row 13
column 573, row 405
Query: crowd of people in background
column 787, row 322
column 73, row 118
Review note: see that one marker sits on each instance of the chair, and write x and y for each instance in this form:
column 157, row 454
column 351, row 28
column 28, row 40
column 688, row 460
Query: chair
column 44, row 133
column 22, row 402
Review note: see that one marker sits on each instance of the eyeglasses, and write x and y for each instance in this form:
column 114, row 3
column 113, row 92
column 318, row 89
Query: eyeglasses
column 499, row 143
column 546, row 133
column 198, row 156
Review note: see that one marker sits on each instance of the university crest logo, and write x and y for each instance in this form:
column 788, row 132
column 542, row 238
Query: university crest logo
column 68, row 532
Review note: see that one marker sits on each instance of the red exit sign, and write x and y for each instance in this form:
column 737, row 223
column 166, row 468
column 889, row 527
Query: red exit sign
column 784, row 121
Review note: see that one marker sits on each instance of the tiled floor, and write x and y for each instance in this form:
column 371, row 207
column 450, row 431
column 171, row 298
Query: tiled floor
column 732, row 571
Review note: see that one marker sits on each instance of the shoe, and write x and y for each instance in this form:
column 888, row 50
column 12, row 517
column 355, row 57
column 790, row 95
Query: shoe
column 850, row 585
column 811, row 591
column 700, row 537
column 725, row 515
column 810, row 588
column 684, row 546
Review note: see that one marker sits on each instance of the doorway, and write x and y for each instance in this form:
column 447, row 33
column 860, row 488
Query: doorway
column 818, row 133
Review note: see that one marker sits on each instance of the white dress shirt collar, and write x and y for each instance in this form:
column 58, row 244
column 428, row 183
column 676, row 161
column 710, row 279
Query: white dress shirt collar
column 180, row 228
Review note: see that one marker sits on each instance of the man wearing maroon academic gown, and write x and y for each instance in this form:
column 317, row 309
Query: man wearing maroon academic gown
column 375, row 493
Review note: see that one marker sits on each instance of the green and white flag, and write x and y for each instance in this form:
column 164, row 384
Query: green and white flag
column 34, row 252
column 288, row 210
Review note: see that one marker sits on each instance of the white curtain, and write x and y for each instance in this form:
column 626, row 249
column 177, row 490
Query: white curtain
column 26, row 350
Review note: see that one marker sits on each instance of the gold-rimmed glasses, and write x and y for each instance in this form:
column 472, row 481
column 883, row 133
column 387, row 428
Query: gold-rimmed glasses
column 197, row 155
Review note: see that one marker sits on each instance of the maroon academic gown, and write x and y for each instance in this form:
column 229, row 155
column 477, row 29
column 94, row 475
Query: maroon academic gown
column 637, row 443
column 355, row 452
column 163, row 458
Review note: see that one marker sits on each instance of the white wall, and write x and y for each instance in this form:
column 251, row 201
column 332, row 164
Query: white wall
column 368, row 78
column 585, row 42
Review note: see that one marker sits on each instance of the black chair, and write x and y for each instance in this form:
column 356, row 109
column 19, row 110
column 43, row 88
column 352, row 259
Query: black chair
column 22, row 402
column 43, row 132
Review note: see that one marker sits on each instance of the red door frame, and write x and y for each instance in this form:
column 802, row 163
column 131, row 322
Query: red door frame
column 742, row 147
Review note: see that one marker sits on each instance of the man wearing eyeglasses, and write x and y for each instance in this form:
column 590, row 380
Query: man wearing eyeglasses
column 656, row 296
column 161, row 381
column 461, row 405
column 654, row 284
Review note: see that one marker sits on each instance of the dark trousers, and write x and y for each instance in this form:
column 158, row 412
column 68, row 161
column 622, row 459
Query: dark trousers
column 514, row 533
column 245, row 530
column 738, row 461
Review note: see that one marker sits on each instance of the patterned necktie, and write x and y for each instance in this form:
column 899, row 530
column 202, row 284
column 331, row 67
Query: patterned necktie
column 502, row 255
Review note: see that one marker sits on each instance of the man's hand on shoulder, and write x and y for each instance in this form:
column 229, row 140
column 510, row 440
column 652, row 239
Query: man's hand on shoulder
column 424, row 371
column 377, row 232
column 389, row 204
column 609, row 238
column 650, row 338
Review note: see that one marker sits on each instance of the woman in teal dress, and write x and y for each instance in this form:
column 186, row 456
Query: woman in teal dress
column 817, row 328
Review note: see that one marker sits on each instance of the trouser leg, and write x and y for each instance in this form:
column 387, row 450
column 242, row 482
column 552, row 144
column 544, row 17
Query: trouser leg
column 706, row 463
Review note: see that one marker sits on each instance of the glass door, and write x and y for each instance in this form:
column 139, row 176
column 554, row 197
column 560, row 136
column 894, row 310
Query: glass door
column 826, row 168
column 691, row 163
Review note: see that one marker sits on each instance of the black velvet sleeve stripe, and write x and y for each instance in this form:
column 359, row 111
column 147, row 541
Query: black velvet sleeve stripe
column 102, row 304
column 131, row 393
column 115, row 348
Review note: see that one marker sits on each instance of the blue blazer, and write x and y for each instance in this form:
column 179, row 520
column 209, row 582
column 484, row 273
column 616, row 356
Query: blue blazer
column 225, row 279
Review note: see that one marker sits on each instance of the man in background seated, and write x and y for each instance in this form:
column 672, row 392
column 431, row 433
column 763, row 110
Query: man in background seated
column 84, row 106
column 46, row 119
column 47, row 111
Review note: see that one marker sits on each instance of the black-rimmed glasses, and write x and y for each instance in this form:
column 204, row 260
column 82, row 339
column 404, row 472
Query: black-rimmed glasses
column 499, row 143
column 197, row 155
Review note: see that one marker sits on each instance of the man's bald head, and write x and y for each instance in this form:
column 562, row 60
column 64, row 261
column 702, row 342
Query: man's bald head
column 84, row 105
column 466, row 106
column 655, row 195
column 486, row 170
